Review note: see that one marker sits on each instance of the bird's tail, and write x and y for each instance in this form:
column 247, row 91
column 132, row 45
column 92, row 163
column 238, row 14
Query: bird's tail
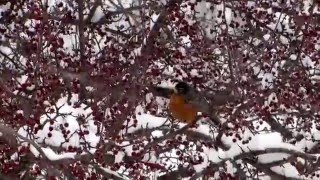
column 214, row 119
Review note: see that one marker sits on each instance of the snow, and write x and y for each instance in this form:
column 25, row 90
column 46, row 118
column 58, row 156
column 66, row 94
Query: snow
column 266, row 37
column 168, row 70
column 69, row 117
column 256, row 41
column 307, row 62
column 51, row 2
column 271, row 98
column 200, row 167
column 293, row 57
column 229, row 168
column 51, row 155
column 286, row 170
column 4, row 7
column 317, row 45
column 5, row 50
column 259, row 141
column 150, row 157
column 256, row 70
column 251, row 4
column 217, row 51
column 262, row 141
column 119, row 157
column 202, row 9
column 153, row 19
column 195, row 73
column 267, row 80
column 272, row 157
column 307, row 142
column 22, row 79
column 284, row 40
column 109, row 171
column 157, row 133
column 148, row 121
column 203, row 128
column 127, row 150
column 306, row 6
column 149, row 97
column 186, row 40
column 69, row 42
column 228, row 14
column 185, row 7
column 98, row 14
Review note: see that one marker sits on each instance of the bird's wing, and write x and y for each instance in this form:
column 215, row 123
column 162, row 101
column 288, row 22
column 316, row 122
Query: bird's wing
column 203, row 105
column 198, row 100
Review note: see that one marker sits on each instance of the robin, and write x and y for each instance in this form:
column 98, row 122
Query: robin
column 186, row 102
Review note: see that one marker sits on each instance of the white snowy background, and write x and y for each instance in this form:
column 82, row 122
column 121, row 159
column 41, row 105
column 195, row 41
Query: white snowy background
column 269, row 144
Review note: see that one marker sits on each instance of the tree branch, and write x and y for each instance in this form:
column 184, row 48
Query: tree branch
column 245, row 155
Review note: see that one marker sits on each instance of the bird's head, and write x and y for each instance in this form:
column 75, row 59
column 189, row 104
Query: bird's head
column 181, row 88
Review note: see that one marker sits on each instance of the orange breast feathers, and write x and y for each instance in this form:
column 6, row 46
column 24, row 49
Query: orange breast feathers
column 181, row 110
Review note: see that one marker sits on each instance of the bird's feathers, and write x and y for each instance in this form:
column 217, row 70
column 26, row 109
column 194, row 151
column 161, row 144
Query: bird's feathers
column 162, row 91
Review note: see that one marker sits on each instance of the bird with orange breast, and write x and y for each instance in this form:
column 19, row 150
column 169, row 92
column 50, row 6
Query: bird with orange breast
column 185, row 103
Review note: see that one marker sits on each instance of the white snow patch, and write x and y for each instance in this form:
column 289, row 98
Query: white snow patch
column 51, row 155
column 98, row 14
column 5, row 50
column 287, row 170
column 266, row 37
column 293, row 57
column 284, row 40
column 109, row 171
column 186, row 40
column 154, row 18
